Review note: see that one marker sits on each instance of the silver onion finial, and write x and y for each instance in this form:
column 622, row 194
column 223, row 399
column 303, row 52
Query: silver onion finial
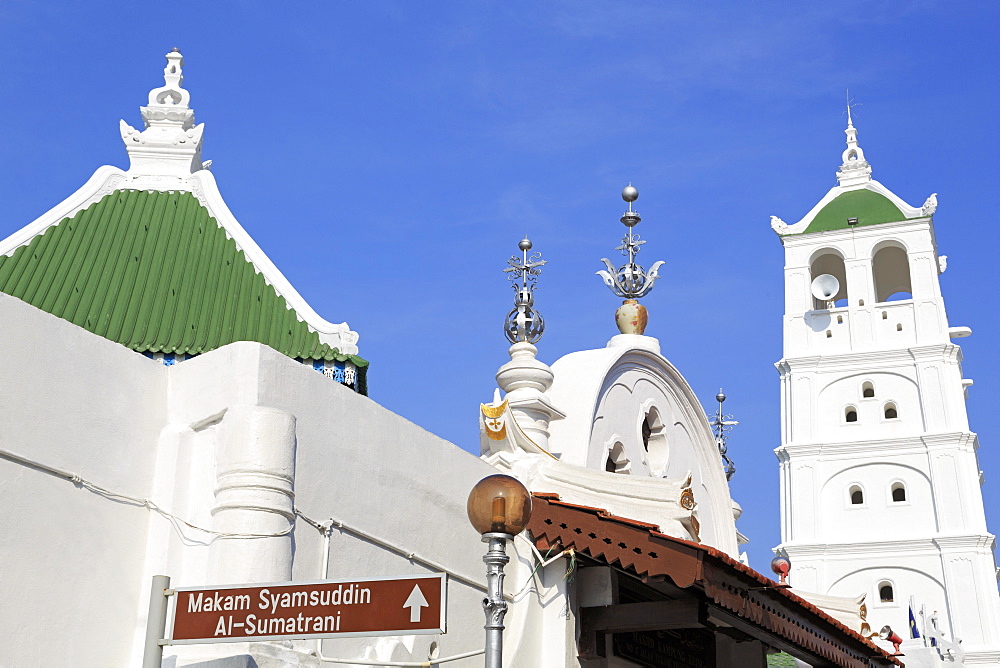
column 630, row 280
column 721, row 425
column 523, row 322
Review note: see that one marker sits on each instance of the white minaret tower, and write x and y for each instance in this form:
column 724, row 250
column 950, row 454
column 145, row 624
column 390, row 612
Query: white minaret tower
column 879, row 475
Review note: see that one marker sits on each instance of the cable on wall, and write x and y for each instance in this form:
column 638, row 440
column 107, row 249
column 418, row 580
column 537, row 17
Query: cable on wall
column 176, row 522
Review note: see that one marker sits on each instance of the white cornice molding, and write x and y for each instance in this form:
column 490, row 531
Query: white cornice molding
column 927, row 545
column 667, row 503
column 948, row 352
column 912, row 547
column 864, row 360
column 961, row 440
column 792, row 240
column 896, row 229
column 962, row 543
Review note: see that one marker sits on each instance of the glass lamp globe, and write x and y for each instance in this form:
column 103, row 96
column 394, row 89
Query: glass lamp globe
column 499, row 504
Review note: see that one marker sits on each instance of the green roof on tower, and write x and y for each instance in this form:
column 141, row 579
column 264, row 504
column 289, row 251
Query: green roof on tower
column 153, row 259
column 857, row 201
column 867, row 206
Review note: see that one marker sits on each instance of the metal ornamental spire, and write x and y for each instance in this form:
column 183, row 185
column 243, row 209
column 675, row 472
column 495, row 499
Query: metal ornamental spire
column 722, row 424
column 524, row 323
column 524, row 378
column 630, row 280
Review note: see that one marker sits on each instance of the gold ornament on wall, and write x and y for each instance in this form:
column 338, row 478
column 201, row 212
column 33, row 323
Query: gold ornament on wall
column 496, row 426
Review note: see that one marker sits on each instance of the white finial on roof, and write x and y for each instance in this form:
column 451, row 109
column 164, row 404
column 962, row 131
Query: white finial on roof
column 855, row 170
column 170, row 145
column 169, row 103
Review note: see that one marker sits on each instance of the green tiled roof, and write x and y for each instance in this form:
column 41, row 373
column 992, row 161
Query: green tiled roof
column 156, row 273
column 870, row 208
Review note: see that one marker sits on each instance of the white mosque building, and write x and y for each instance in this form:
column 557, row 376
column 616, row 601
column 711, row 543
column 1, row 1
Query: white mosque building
column 880, row 484
column 214, row 428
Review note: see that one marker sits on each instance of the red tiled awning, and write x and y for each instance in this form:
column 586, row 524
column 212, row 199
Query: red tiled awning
column 748, row 598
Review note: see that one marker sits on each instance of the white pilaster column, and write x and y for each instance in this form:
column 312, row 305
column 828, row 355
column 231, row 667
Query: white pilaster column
column 254, row 493
column 525, row 381
column 860, row 283
column 860, row 293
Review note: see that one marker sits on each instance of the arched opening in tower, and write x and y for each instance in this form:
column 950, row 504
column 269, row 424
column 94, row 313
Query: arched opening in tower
column 891, row 271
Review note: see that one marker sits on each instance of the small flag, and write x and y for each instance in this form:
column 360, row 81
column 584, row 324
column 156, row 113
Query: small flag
column 914, row 633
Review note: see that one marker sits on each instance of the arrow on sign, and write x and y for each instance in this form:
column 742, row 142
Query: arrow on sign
column 414, row 602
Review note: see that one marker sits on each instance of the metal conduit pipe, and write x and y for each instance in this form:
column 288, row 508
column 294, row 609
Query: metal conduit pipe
column 404, row 664
column 411, row 556
column 6, row 454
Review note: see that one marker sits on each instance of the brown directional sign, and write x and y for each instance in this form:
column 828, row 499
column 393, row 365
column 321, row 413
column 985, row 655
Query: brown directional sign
column 323, row 609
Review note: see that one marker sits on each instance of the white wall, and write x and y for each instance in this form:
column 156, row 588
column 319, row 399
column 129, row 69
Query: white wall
column 70, row 558
column 359, row 464
column 840, row 390
column 79, row 565
column 607, row 393
column 362, row 464
column 935, row 544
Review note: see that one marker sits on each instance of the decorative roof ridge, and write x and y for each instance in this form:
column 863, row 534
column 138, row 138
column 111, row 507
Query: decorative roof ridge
column 102, row 182
column 203, row 186
column 908, row 212
column 340, row 336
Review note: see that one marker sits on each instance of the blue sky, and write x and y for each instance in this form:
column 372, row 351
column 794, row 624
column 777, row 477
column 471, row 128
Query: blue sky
column 389, row 155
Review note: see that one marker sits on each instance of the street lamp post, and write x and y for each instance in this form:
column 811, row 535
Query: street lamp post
column 499, row 508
